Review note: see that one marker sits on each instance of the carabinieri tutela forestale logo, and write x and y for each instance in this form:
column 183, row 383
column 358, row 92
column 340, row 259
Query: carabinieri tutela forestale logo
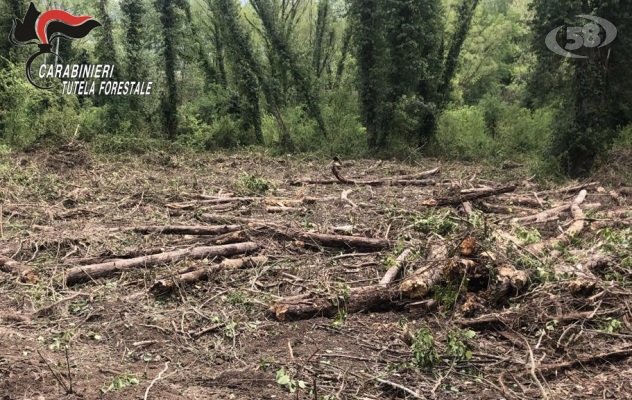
column 42, row 29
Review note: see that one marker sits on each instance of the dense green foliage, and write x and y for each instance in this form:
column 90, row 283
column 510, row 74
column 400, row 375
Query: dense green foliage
column 465, row 79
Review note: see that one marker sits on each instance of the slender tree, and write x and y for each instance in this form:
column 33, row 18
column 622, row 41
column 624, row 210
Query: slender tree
column 167, row 10
column 465, row 13
column 265, row 11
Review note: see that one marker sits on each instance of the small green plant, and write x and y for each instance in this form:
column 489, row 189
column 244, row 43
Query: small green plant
column 446, row 295
column 121, row 382
column 611, row 325
column 437, row 223
column 339, row 318
column 250, row 184
column 528, row 235
column 284, row 379
column 458, row 344
column 342, row 295
column 236, row 298
column 425, row 355
column 265, row 363
column 230, row 330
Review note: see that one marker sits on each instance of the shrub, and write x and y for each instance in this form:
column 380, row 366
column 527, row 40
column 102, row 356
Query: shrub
column 462, row 135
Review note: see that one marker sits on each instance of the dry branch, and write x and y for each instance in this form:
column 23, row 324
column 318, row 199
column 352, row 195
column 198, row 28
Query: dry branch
column 595, row 226
column 551, row 369
column 25, row 274
column 570, row 189
column 404, row 180
column 187, row 230
column 275, row 201
column 88, row 272
column 576, row 226
column 466, row 196
column 165, row 285
column 394, row 270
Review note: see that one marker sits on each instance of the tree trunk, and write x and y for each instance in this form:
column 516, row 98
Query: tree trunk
column 89, row 272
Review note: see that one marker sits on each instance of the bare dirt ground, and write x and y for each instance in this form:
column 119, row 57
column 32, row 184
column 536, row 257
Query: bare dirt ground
column 485, row 302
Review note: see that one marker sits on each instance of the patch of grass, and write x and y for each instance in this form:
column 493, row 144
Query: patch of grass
column 434, row 223
column 528, row 235
column 250, row 184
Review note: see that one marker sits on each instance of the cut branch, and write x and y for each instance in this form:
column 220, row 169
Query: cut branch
column 187, row 230
column 165, row 285
column 394, row 270
column 88, row 272
column 576, row 227
column 467, row 196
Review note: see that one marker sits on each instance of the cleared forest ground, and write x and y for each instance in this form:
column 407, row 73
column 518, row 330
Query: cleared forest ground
column 368, row 280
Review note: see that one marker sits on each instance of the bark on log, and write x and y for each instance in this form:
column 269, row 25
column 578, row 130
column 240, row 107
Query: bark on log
column 462, row 197
column 584, row 279
column 25, row 274
column 187, row 230
column 163, row 286
column 339, row 241
column 543, row 216
column 521, row 200
column 88, row 272
column 367, row 298
column 229, row 219
column 282, row 209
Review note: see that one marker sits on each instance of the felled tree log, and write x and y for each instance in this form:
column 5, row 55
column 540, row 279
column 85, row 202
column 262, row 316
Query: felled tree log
column 429, row 274
column 367, row 298
column 229, row 219
column 521, row 200
column 226, row 200
column 95, row 271
column 570, row 189
column 466, row 196
column 595, row 226
column 228, row 238
column 282, row 209
column 509, row 278
column 582, row 273
column 187, row 230
column 576, row 226
column 547, row 215
column 25, row 274
column 165, row 285
column 339, row 241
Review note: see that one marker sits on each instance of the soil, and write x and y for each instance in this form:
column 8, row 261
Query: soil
column 115, row 338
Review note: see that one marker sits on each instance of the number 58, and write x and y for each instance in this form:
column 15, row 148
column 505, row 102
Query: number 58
column 587, row 35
